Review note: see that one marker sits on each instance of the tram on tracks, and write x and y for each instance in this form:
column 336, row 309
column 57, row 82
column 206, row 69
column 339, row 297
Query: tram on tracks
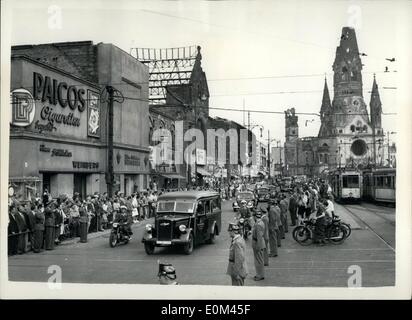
column 346, row 185
column 380, row 185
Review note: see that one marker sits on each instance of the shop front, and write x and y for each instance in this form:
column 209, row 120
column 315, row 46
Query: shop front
column 54, row 131
column 131, row 169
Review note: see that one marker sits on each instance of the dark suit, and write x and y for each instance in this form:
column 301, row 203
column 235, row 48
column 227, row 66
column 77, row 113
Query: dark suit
column 258, row 245
column 293, row 207
column 49, row 228
column 21, row 238
column 38, row 231
column 237, row 267
column 83, row 220
column 12, row 229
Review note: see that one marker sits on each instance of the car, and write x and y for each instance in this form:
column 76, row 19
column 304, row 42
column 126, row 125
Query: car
column 263, row 194
column 248, row 196
column 185, row 219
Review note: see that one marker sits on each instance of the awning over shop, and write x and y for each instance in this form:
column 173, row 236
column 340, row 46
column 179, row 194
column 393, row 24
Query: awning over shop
column 203, row 172
column 172, row 176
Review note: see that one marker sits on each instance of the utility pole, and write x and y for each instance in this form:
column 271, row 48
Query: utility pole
column 389, row 151
column 281, row 167
column 110, row 171
column 268, row 163
column 111, row 91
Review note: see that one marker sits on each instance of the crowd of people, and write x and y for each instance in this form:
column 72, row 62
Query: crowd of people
column 269, row 224
column 42, row 223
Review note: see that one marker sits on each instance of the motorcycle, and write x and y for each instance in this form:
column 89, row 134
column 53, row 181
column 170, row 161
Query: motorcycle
column 335, row 232
column 119, row 234
column 244, row 227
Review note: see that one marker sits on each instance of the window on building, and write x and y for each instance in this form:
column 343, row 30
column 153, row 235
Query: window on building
column 352, row 128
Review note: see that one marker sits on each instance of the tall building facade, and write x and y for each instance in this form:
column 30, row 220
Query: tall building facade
column 59, row 132
column 348, row 133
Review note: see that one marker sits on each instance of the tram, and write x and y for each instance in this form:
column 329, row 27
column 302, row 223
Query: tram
column 380, row 185
column 346, row 185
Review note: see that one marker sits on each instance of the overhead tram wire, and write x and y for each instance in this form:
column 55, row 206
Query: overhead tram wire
column 225, row 109
column 246, row 78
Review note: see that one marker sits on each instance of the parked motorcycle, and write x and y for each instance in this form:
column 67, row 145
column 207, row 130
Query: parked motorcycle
column 335, row 232
column 119, row 234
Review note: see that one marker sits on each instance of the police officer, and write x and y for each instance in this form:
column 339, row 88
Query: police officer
column 237, row 268
column 258, row 245
column 273, row 231
column 265, row 220
column 167, row 274
column 284, row 206
column 83, row 221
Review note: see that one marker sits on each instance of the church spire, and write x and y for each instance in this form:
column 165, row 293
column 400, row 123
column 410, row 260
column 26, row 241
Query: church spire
column 375, row 105
column 326, row 104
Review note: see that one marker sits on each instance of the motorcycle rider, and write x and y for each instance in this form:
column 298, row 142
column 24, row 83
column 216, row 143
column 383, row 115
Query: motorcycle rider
column 320, row 224
column 244, row 213
column 123, row 217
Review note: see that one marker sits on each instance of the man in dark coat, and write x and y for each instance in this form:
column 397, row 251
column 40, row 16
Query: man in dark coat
column 58, row 220
column 29, row 218
column 12, row 229
column 38, row 236
column 293, row 208
column 21, row 223
column 49, row 226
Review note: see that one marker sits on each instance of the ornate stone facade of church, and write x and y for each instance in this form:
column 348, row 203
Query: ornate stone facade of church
column 348, row 133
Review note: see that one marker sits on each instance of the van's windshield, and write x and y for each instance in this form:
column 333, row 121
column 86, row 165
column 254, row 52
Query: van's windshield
column 175, row 206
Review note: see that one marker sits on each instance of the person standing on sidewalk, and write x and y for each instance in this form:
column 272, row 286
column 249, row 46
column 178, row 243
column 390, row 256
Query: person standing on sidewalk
column 258, row 246
column 39, row 220
column 84, row 222
column 293, row 208
column 237, row 267
column 265, row 220
column 273, row 231
column 49, row 225
column 284, row 207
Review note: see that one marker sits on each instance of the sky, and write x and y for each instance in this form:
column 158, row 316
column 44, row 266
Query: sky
column 287, row 47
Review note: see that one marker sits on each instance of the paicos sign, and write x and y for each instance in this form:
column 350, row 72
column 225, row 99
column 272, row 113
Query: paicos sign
column 54, row 92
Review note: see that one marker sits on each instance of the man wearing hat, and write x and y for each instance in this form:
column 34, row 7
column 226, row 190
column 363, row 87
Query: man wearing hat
column 237, row 268
column 265, row 220
column 258, row 245
column 284, row 207
column 167, row 274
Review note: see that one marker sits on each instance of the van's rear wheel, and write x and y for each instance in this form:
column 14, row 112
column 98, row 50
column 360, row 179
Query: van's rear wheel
column 188, row 248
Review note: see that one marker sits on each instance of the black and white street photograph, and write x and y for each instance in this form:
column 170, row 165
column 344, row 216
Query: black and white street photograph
column 206, row 145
